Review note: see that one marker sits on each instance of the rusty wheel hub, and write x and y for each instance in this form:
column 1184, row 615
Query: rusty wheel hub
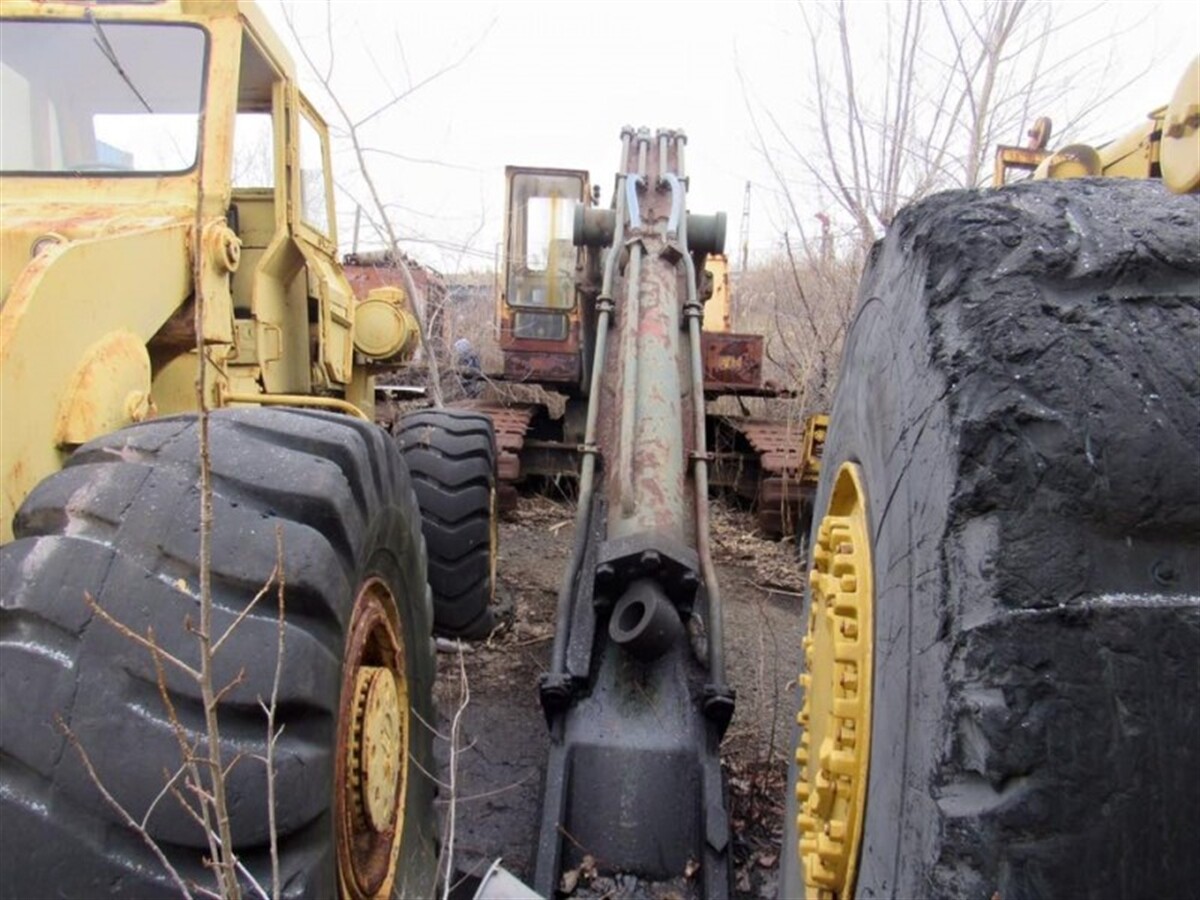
column 372, row 751
column 374, row 759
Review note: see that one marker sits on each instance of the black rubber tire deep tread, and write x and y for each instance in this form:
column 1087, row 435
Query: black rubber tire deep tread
column 121, row 522
column 452, row 456
column 1022, row 392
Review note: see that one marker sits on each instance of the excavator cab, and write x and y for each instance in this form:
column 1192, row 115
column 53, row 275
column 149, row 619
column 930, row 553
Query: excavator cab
column 540, row 301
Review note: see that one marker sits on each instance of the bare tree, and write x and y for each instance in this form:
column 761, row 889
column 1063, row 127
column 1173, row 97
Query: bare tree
column 903, row 99
column 887, row 125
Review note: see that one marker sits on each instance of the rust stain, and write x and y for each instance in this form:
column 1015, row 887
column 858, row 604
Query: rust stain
column 526, row 366
column 732, row 360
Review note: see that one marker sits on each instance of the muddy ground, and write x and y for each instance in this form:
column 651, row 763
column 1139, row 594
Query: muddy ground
column 502, row 734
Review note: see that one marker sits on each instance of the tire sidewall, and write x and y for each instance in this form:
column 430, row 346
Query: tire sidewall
column 889, row 419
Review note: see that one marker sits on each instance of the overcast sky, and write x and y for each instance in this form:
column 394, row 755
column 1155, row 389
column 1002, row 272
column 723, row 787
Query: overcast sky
column 551, row 83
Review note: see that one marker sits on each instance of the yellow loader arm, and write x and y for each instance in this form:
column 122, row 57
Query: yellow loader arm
column 73, row 357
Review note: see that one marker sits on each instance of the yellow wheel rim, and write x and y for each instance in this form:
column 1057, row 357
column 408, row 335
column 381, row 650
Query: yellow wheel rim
column 370, row 773
column 835, row 721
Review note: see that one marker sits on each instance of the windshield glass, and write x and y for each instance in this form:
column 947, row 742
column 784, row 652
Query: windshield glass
column 100, row 96
column 541, row 252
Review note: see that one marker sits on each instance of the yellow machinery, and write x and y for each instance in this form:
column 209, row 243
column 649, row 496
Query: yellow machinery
column 188, row 165
column 168, row 243
column 1166, row 145
column 718, row 309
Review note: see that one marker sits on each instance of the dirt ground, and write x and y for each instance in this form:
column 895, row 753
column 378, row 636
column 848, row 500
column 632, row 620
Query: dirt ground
column 502, row 734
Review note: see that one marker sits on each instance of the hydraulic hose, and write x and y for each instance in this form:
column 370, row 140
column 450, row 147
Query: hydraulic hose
column 693, row 310
column 565, row 607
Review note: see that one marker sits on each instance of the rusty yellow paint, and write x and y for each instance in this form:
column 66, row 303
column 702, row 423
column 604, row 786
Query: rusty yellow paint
column 383, row 326
column 1166, row 145
column 99, row 275
column 220, row 256
column 109, row 389
column 718, row 310
column 174, row 389
column 64, row 303
column 361, row 391
column 1180, row 150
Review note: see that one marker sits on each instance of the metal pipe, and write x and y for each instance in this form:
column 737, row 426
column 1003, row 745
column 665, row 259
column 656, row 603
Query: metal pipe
column 565, row 607
column 677, row 200
column 631, row 197
column 663, row 167
column 716, row 625
column 680, row 143
column 334, row 403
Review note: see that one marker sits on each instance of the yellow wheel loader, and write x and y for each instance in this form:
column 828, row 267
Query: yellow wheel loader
column 168, row 244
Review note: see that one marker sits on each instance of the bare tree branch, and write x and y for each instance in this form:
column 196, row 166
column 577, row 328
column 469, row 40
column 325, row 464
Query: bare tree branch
column 464, row 698
column 121, row 812
column 132, row 635
column 272, row 734
column 429, row 79
column 352, row 128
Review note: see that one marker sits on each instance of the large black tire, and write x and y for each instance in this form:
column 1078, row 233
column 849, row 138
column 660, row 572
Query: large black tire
column 452, row 456
column 120, row 523
column 1021, row 391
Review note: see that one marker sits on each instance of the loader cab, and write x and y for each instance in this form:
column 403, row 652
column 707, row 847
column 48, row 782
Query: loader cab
column 266, row 164
column 281, row 208
column 541, row 329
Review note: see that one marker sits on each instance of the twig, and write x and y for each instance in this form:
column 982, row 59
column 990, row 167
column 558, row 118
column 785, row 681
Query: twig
column 536, row 640
column 776, row 590
column 186, row 751
column 166, row 789
column 464, row 699
column 229, row 768
column 245, row 873
column 120, row 810
column 582, row 849
column 238, row 866
column 128, row 632
column 437, row 734
column 225, row 861
column 249, row 606
column 238, row 680
column 486, row 794
column 424, row 771
column 272, row 735
column 353, row 134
